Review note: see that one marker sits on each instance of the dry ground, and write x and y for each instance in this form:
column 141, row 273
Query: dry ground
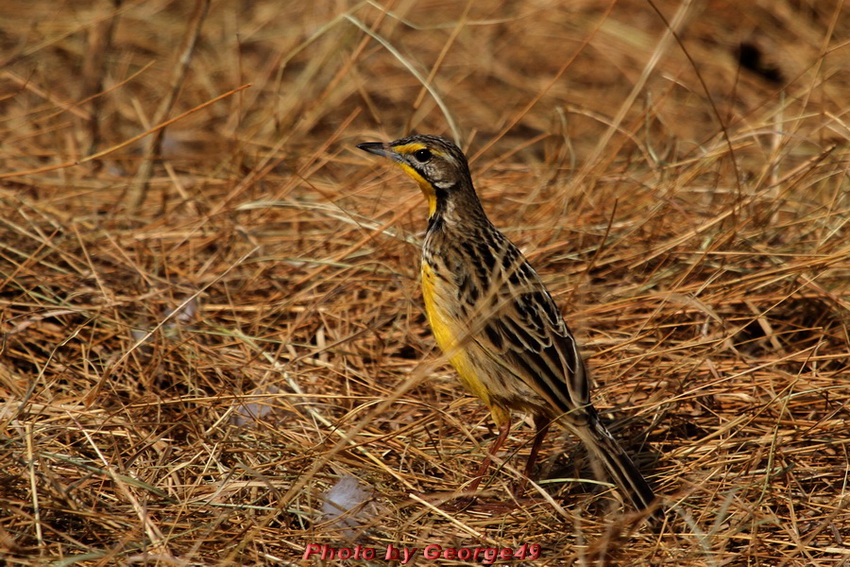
column 209, row 304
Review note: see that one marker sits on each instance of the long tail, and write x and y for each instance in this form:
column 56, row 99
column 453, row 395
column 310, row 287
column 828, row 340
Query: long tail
column 624, row 472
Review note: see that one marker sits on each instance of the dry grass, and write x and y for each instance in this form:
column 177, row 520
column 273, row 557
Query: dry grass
column 690, row 215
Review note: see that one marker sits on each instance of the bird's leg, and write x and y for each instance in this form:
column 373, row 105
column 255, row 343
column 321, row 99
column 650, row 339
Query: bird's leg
column 468, row 497
column 504, row 429
column 541, row 426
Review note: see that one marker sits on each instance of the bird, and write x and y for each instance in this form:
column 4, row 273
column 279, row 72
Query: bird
column 494, row 319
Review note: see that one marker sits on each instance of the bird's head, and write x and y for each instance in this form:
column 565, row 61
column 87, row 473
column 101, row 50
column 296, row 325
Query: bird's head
column 437, row 165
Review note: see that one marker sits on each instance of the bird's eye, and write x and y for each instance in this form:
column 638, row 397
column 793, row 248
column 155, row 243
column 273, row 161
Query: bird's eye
column 422, row 155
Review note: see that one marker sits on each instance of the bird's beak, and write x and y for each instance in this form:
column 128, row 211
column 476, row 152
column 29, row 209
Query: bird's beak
column 377, row 148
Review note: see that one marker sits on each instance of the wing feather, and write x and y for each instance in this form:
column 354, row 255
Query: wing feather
column 526, row 335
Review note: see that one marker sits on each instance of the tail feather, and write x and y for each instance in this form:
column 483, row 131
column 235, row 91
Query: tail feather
column 624, row 472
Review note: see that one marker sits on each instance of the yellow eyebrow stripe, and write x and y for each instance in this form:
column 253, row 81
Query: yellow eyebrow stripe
column 410, row 148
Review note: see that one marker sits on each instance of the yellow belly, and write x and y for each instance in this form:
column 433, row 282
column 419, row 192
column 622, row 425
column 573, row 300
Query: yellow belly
column 452, row 335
